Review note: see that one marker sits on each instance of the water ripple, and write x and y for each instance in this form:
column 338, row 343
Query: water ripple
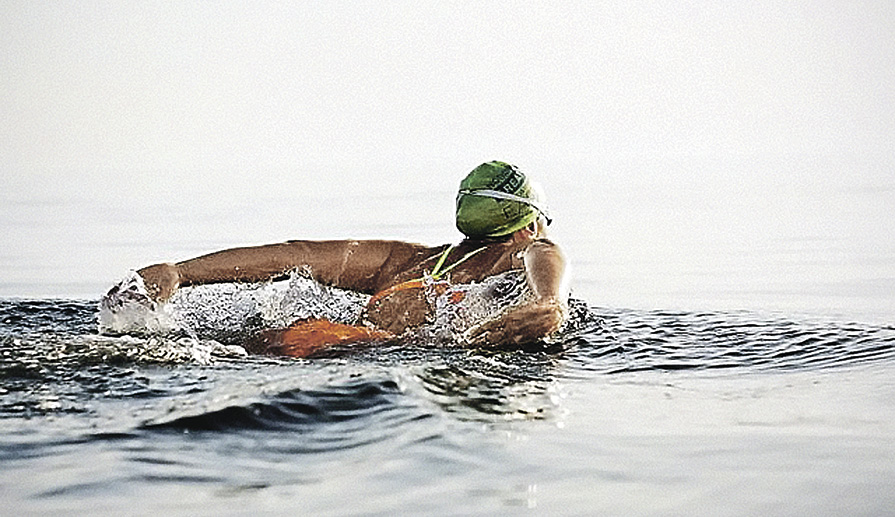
column 37, row 316
column 53, row 363
column 666, row 341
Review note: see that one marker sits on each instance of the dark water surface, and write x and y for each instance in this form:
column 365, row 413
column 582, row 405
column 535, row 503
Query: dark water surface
column 640, row 413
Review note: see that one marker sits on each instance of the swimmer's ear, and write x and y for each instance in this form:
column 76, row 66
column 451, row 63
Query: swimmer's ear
column 538, row 227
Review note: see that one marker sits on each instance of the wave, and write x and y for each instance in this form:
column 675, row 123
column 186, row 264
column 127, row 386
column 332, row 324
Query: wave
column 375, row 393
column 295, row 410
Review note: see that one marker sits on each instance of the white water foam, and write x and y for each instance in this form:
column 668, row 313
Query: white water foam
column 233, row 312
column 127, row 308
column 226, row 312
column 464, row 306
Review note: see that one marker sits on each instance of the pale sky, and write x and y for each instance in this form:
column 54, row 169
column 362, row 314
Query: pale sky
column 167, row 91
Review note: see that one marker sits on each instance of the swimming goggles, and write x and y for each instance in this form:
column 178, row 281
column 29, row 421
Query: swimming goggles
column 496, row 194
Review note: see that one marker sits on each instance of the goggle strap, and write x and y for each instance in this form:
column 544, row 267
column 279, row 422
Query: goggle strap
column 496, row 194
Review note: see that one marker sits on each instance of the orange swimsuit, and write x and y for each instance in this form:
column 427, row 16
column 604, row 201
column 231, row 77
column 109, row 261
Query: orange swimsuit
column 428, row 280
column 306, row 337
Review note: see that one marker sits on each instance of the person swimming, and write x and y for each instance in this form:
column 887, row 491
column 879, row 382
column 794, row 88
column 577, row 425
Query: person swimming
column 503, row 219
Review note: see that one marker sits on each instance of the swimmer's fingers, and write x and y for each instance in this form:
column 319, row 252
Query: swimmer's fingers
column 510, row 329
column 520, row 325
column 485, row 334
column 161, row 280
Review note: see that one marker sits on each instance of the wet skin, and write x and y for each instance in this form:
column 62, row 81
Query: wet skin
column 372, row 266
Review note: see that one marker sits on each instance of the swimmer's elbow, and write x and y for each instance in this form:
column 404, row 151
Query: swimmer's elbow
column 547, row 271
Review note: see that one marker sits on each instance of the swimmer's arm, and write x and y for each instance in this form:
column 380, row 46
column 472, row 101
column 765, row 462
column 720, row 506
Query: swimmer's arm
column 545, row 270
column 349, row 264
column 546, row 273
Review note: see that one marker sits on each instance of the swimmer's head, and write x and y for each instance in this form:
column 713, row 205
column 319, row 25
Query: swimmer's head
column 497, row 199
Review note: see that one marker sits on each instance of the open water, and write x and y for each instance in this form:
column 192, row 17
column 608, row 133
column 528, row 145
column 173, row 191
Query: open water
column 702, row 407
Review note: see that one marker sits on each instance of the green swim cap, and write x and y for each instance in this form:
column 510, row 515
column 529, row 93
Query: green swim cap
column 496, row 199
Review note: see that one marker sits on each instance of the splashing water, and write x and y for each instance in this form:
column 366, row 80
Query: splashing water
column 464, row 306
column 232, row 313
column 127, row 308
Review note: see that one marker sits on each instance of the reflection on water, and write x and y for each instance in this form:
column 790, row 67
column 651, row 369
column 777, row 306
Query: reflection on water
column 632, row 410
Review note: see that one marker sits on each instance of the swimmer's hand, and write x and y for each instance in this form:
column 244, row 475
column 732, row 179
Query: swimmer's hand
column 161, row 280
column 520, row 325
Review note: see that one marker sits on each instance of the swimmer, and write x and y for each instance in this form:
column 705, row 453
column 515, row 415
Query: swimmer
column 504, row 223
